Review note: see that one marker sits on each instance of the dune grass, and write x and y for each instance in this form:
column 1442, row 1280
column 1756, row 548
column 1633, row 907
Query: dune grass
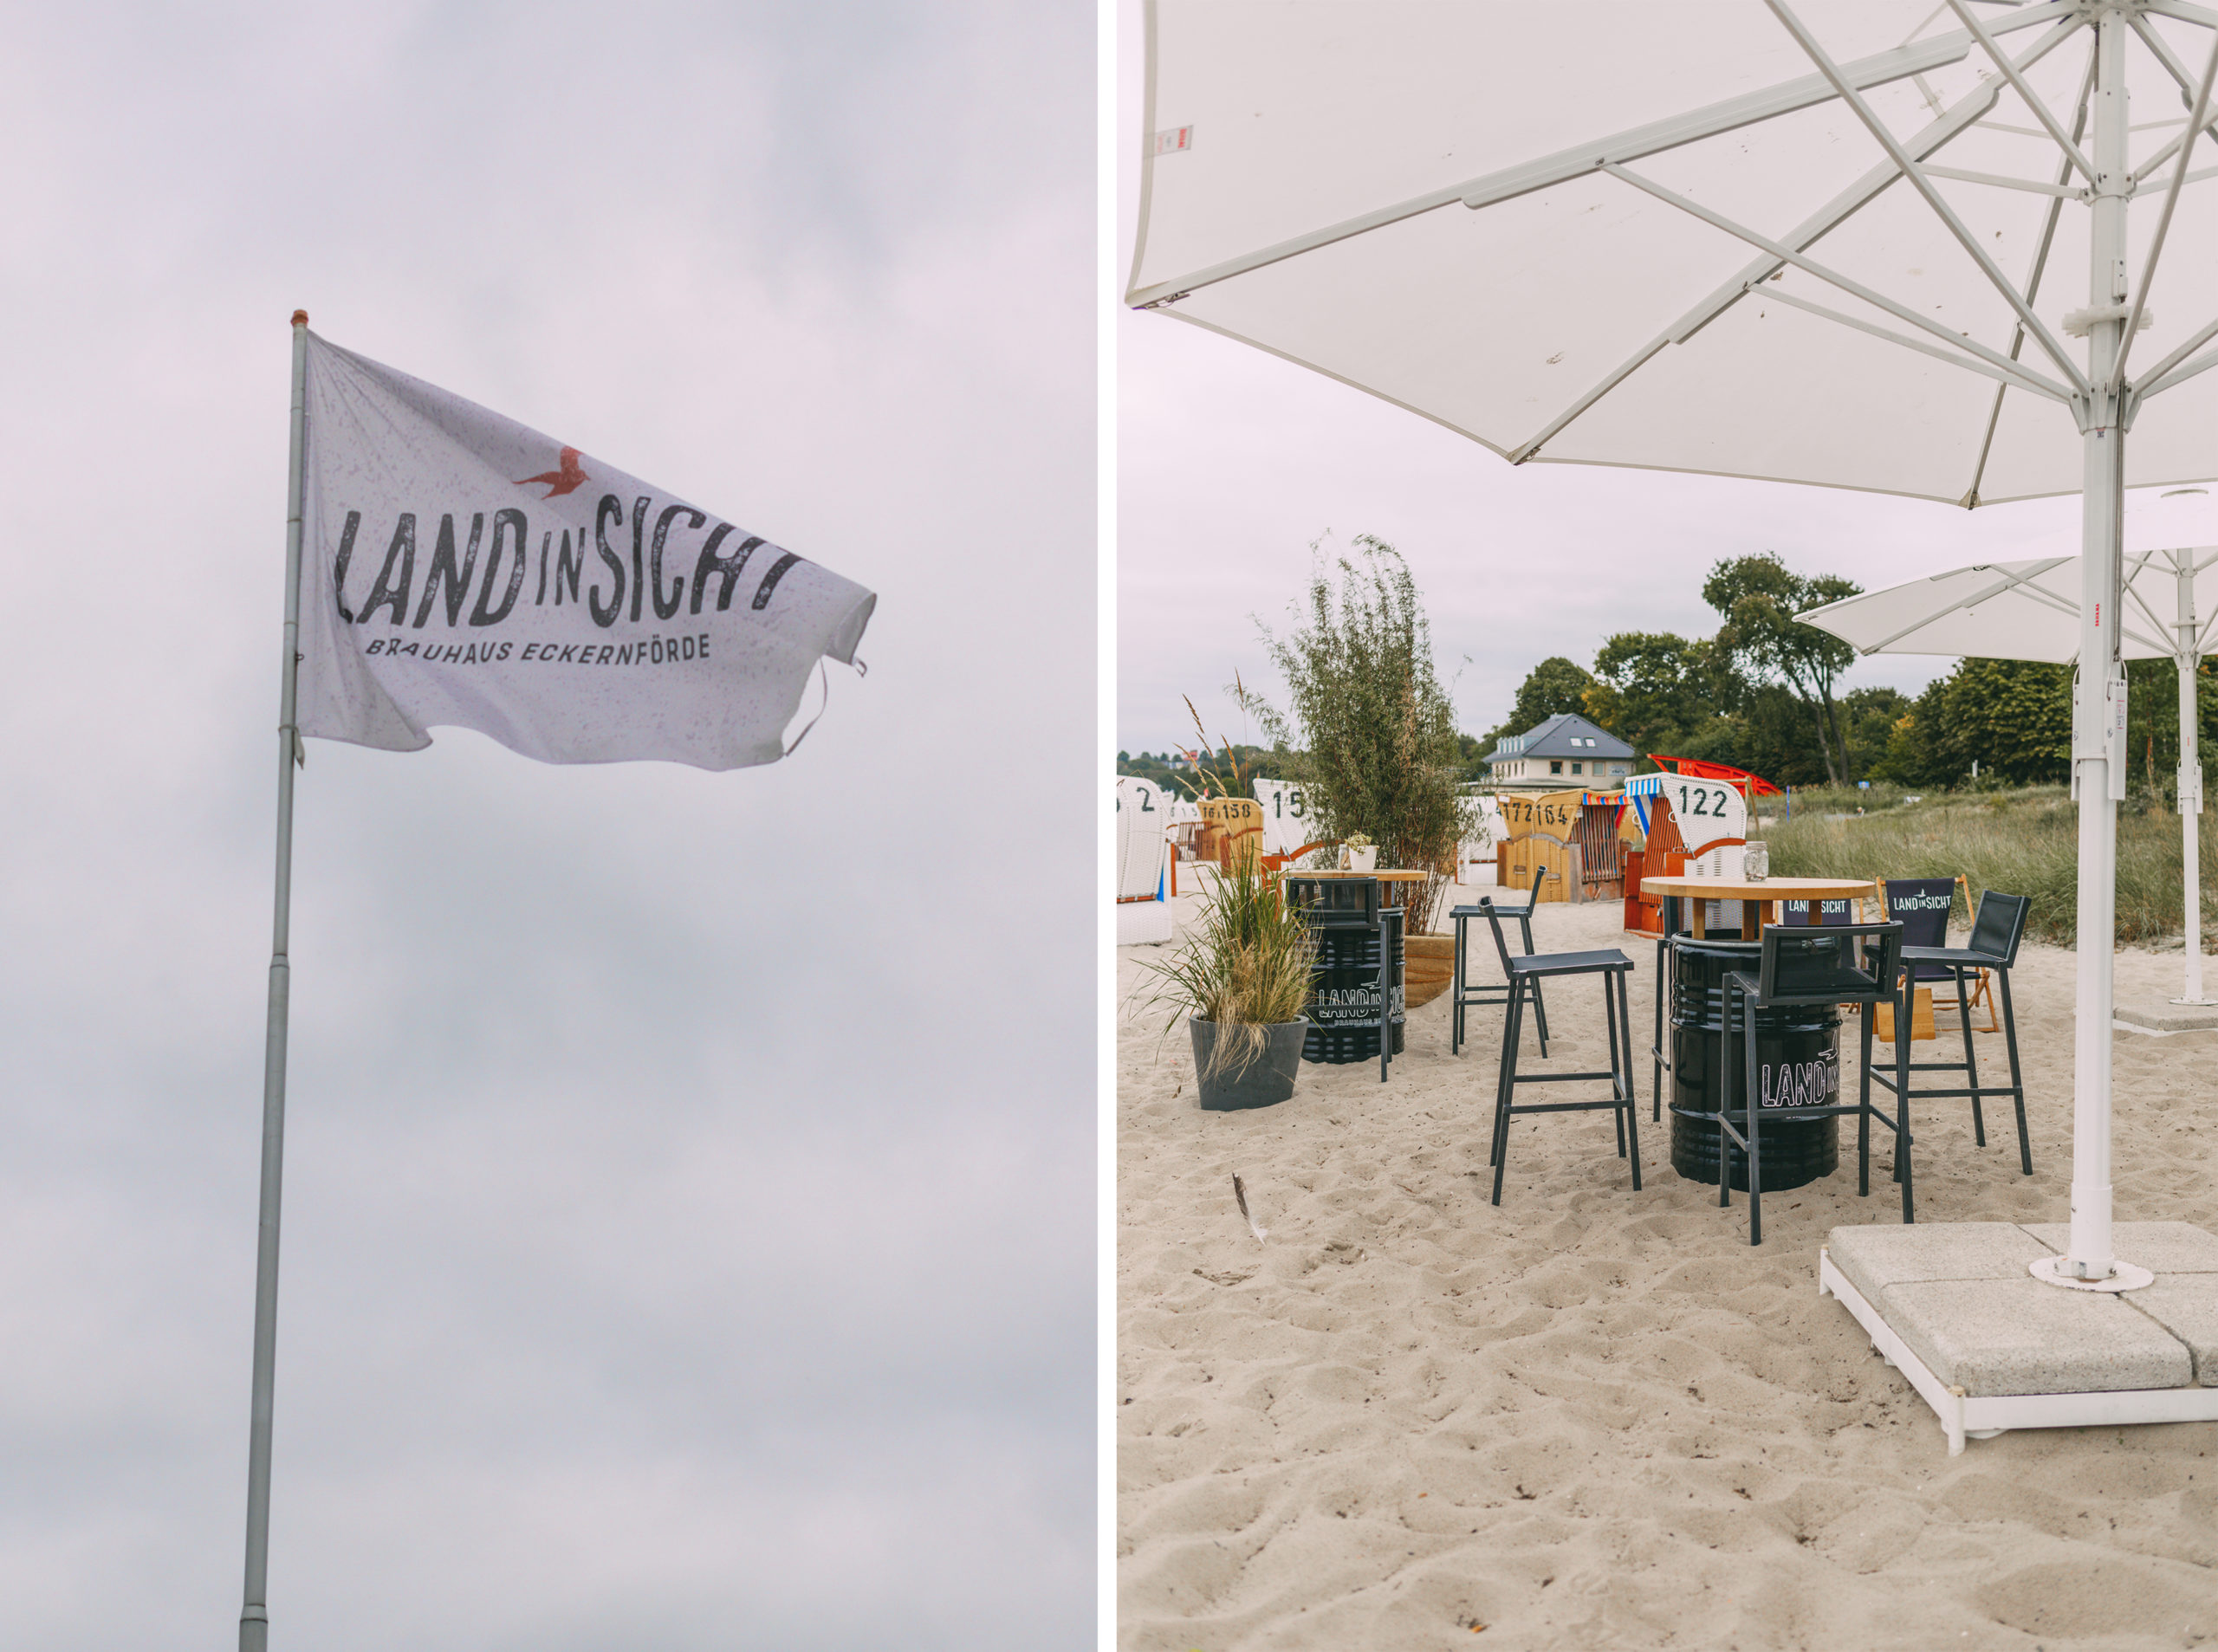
column 2020, row 842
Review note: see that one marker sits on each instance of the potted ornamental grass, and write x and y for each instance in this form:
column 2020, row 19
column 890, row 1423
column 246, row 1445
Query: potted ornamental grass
column 1242, row 981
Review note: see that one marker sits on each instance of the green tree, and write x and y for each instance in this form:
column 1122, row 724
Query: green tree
column 1868, row 719
column 1759, row 597
column 2012, row 718
column 1370, row 728
column 1654, row 689
column 1554, row 686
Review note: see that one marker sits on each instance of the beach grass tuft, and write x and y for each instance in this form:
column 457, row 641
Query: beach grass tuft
column 1245, row 964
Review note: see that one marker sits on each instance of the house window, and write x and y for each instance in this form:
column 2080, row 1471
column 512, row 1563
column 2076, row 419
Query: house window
column 1616, row 768
column 1578, row 768
column 1555, row 769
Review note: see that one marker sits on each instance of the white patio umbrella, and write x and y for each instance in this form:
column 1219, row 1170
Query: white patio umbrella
column 1840, row 241
column 2030, row 610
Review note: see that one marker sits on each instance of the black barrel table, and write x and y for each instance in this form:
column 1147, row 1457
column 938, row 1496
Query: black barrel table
column 1343, row 1006
column 1798, row 1065
column 1798, row 1047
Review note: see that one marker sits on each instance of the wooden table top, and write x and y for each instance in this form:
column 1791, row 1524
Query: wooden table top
column 1772, row 889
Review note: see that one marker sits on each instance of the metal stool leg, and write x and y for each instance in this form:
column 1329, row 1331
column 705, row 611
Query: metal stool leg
column 1901, row 1095
column 1632, row 1097
column 1455, row 1010
column 1509, row 1089
column 1971, row 1059
column 1749, row 1097
column 1386, row 995
column 1662, row 967
column 2017, row 1084
column 1506, row 1071
column 1724, row 1093
column 1864, row 1115
column 1540, row 1004
column 1617, row 1083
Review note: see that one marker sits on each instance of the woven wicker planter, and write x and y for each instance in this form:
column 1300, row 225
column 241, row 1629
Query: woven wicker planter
column 1429, row 968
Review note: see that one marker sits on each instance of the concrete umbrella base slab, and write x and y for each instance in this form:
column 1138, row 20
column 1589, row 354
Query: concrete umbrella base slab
column 2160, row 1018
column 1990, row 1348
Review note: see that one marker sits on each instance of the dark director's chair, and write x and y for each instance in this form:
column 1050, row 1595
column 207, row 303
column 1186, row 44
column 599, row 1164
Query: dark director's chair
column 1811, row 966
column 1997, row 928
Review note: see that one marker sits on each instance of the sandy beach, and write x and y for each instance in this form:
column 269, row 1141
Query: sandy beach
column 1597, row 1418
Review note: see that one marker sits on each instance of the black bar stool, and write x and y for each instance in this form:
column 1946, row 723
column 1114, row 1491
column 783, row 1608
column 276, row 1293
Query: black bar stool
column 1345, row 903
column 1524, row 973
column 1486, row 992
column 1812, row 967
column 1666, row 973
column 1997, row 928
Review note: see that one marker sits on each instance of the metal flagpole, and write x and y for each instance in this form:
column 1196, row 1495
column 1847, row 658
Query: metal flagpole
column 2191, row 776
column 254, row 1617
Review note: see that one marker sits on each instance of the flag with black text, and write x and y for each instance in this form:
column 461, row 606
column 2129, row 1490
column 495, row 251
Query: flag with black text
column 460, row 569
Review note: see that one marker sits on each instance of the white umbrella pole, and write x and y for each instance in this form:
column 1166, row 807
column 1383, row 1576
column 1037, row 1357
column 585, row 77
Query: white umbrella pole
column 254, row 1616
column 2190, row 779
column 2098, row 756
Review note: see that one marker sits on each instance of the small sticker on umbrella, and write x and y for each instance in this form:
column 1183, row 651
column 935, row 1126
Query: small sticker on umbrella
column 1174, row 140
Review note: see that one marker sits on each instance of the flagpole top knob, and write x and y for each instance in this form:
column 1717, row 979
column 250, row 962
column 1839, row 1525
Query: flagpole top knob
column 300, row 318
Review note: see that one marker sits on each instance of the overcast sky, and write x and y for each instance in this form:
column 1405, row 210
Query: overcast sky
column 1232, row 462
column 688, row 1201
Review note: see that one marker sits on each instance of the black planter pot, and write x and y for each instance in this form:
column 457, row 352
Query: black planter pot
column 1264, row 1082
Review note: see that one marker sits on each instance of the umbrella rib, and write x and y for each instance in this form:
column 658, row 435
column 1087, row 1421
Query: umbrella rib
column 2156, row 373
column 1888, row 141
column 2034, row 278
column 1954, row 358
column 1821, row 223
column 2195, row 122
column 2142, row 603
column 2164, row 54
column 2007, row 582
column 2018, row 84
column 1997, row 180
column 2138, row 562
column 1635, row 144
column 2019, row 375
column 2023, row 582
column 2202, row 17
column 2178, row 375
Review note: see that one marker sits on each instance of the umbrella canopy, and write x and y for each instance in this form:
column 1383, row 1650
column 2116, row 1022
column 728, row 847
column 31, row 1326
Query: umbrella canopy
column 1643, row 234
column 2030, row 610
column 1868, row 243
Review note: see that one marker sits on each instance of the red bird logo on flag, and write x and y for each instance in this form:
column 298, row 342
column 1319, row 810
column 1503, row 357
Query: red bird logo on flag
column 561, row 481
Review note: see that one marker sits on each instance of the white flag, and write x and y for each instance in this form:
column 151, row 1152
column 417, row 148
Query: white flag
column 458, row 568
